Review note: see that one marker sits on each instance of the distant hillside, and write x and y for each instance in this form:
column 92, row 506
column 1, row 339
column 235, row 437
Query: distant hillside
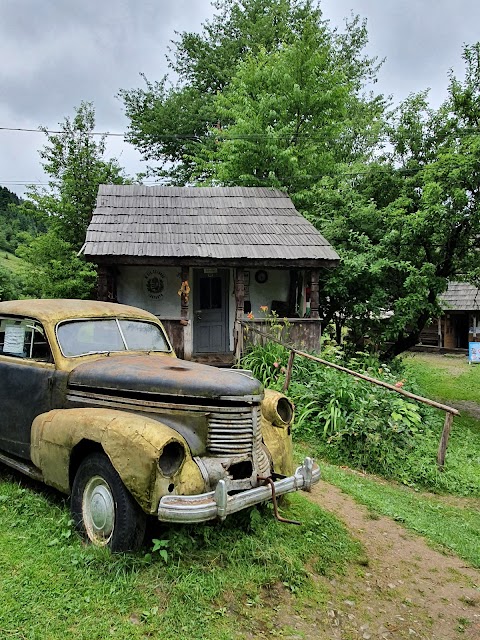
column 10, row 262
column 13, row 223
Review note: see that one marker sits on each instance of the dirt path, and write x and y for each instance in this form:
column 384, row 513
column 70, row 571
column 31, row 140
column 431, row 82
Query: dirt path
column 408, row 590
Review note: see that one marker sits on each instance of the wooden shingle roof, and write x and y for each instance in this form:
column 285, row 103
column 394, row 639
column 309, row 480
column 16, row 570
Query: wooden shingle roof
column 461, row 296
column 215, row 223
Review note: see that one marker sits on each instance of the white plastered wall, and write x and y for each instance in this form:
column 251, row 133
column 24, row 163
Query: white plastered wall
column 136, row 286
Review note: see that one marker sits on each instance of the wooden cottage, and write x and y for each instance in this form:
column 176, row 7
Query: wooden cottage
column 202, row 259
column 460, row 322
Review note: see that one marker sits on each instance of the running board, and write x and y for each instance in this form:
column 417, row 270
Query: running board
column 28, row 469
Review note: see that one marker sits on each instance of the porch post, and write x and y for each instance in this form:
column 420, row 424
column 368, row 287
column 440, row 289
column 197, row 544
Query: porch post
column 314, row 295
column 186, row 327
column 239, row 306
column 184, row 295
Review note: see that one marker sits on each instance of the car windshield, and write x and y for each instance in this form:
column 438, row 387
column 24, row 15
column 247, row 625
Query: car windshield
column 82, row 337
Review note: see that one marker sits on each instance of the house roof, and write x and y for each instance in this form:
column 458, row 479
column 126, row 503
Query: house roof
column 461, row 296
column 204, row 223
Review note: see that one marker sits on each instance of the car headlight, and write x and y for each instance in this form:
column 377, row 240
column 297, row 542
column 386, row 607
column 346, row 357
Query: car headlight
column 171, row 458
column 277, row 408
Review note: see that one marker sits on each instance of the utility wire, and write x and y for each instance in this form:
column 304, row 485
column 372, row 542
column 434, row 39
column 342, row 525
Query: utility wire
column 220, row 135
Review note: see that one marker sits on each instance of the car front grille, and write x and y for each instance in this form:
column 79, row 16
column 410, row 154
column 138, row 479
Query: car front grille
column 238, row 434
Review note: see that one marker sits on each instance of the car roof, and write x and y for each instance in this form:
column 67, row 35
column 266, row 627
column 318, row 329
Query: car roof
column 54, row 310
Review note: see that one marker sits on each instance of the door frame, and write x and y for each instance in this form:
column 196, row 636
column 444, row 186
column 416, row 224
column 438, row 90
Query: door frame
column 224, row 273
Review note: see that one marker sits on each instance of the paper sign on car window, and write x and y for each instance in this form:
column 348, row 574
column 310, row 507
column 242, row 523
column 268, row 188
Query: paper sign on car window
column 14, row 339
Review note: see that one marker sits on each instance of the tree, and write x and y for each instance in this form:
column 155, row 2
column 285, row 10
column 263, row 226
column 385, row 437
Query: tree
column 411, row 222
column 74, row 161
column 54, row 270
column 13, row 223
column 9, row 285
column 175, row 124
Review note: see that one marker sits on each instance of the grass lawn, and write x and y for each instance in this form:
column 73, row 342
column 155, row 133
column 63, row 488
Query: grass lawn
column 54, row 587
column 445, row 377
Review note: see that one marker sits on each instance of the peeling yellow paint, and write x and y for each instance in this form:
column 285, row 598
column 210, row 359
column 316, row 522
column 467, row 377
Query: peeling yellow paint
column 132, row 442
column 277, row 439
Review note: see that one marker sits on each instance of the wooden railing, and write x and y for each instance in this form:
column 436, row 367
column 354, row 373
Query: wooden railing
column 449, row 411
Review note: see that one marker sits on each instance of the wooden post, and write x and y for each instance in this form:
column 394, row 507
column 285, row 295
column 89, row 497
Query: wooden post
column 442, row 447
column 239, row 306
column 314, row 294
column 288, row 375
column 184, row 296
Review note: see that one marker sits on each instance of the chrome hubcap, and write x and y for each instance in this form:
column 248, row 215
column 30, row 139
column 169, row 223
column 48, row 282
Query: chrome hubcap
column 98, row 510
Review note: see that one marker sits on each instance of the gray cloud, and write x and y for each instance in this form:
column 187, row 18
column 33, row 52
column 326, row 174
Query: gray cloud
column 56, row 53
column 420, row 39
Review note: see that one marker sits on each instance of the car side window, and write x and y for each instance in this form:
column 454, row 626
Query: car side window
column 24, row 338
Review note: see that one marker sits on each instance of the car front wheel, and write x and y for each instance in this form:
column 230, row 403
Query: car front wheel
column 102, row 508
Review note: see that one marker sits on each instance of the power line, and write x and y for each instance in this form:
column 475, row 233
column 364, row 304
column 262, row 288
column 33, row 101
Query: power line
column 91, row 133
column 220, row 135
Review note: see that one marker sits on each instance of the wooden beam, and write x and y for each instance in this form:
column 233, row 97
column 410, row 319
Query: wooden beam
column 288, row 375
column 239, row 306
column 442, row 447
column 314, row 294
column 184, row 297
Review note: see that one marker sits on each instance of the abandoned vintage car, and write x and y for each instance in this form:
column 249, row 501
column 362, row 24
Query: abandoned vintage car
column 95, row 403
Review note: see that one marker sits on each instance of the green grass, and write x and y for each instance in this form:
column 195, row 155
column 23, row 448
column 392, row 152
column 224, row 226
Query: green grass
column 10, row 262
column 447, row 378
column 455, row 528
column 215, row 577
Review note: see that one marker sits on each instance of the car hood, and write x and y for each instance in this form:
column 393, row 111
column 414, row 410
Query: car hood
column 164, row 376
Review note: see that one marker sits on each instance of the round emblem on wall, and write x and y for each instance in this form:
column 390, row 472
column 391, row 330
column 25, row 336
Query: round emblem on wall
column 261, row 276
column 155, row 283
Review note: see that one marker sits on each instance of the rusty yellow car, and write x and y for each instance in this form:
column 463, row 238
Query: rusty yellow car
column 95, row 403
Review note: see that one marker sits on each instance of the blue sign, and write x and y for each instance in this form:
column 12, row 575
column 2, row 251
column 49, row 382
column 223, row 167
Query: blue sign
column 474, row 351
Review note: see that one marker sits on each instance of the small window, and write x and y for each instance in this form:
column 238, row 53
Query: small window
column 24, row 338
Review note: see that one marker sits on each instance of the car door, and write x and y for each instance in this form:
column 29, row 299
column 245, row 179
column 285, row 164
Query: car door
column 26, row 374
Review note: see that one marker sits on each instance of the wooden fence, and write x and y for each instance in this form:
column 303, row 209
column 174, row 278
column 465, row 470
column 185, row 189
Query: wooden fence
column 449, row 411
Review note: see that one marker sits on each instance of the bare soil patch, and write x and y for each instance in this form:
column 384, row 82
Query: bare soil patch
column 408, row 590
column 405, row 590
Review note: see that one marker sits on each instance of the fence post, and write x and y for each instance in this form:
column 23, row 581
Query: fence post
column 442, row 447
column 288, row 375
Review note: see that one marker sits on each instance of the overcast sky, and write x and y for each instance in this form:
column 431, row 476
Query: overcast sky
column 56, row 53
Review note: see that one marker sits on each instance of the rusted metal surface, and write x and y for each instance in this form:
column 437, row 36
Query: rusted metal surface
column 133, row 444
column 136, row 408
column 162, row 376
column 176, row 332
column 280, row 518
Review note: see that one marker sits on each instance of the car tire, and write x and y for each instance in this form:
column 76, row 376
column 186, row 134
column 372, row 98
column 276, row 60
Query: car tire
column 102, row 509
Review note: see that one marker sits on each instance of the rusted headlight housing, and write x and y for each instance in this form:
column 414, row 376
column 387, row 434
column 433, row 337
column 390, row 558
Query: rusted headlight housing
column 277, row 408
column 171, row 459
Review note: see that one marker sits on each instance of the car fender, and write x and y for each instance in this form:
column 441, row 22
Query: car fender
column 132, row 442
column 278, row 439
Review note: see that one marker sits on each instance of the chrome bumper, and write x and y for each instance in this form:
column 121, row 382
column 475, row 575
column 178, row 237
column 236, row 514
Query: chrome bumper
column 218, row 504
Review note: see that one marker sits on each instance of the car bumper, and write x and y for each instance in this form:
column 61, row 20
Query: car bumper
column 218, row 504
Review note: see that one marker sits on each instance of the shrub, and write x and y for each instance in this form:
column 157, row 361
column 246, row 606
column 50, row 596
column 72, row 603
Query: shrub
column 353, row 422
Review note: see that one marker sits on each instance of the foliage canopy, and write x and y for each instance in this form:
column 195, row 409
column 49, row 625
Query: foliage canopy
column 267, row 94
